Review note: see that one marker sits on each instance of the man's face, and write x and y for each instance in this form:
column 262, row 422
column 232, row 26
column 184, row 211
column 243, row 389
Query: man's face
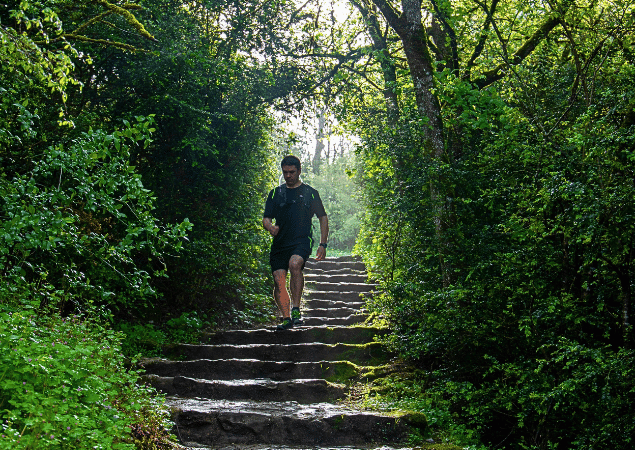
column 291, row 175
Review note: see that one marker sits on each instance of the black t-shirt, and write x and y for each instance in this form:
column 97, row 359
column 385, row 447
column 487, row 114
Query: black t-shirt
column 293, row 216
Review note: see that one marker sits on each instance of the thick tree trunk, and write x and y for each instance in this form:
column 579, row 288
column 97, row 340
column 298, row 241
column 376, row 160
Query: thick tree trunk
column 421, row 66
column 410, row 29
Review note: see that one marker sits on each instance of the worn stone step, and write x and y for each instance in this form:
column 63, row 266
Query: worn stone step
column 343, row 287
column 335, row 295
column 312, row 279
column 321, row 303
column 298, row 335
column 343, row 258
column 317, row 270
column 356, row 353
column 218, row 423
column 327, row 312
column 304, row 447
column 335, row 265
column 302, row 391
column 229, row 369
column 333, row 321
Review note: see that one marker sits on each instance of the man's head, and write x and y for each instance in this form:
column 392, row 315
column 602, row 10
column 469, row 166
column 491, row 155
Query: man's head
column 291, row 169
column 291, row 161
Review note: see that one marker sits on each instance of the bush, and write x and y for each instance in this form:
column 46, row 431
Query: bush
column 63, row 385
column 142, row 339
column 81, row 221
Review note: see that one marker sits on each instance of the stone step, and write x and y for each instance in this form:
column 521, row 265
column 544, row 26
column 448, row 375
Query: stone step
column 311, row 278
column 327, row 312
column 355, row 353
column 318, row 270
column 334, row 321
column 345, row 258
column 298, row 335
column 265, row 389
column 230, row 369
column 302, row 391
column 335, row 295
column 343, row 287
column 304, row 447
column 321, row 303
column 335, row 265
column 217, row 423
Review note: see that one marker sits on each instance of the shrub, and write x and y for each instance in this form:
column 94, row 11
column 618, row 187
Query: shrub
column 81, row 221
column 63, row 385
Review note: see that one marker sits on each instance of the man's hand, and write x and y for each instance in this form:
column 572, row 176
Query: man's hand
column 270, row 227
column 324, row 235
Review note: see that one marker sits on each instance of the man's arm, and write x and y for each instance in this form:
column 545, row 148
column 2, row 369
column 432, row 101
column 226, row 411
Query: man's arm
column 324, row 235
column 270, row 227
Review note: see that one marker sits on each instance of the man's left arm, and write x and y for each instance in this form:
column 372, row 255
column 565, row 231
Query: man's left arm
column 324, row 235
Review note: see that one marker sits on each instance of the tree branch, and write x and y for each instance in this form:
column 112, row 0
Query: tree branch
column 480, row 46
column 523, row 52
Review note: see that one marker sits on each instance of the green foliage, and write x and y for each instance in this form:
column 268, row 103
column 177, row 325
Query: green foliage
column 186, row 328
column 149, row 340
column 80, row 221
column 530, row 344
column 29, row 73
column 210, row 156
column 141, row 339
column 63, row 385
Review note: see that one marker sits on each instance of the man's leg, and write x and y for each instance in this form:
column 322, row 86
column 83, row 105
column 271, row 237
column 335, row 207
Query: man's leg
column 296, row 264
column 280, row 293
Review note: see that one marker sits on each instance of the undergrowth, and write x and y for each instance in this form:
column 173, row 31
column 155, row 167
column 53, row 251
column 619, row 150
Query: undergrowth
column 409, row 392
column 63, row 385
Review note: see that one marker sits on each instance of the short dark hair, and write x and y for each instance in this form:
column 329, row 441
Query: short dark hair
column 291, row 160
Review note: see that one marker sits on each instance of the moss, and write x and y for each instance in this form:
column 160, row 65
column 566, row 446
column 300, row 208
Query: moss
column 376, row 372
column 438, row 447
column 321, row 334
column 339, row 372
column 356, row 352
column 338, row 421
column 416, row 419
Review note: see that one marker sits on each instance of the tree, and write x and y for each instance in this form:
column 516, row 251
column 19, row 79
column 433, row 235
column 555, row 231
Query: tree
column 78, row 225
column 518, row 300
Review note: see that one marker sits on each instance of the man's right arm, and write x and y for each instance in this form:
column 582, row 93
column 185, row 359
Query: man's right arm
column 267, row 222
column 270, row 227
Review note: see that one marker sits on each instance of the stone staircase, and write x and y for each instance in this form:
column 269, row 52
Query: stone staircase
column 265, row 389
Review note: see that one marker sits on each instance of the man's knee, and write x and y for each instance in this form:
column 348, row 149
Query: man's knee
column 279, row 278
column 296, row 264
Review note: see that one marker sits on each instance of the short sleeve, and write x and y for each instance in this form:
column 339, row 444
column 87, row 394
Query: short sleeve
column 317, row 208
column 269, row 206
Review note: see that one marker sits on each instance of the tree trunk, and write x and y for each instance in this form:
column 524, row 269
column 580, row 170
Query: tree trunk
column 319, row 143
column 386, row 62
column 410, row 29
column 625, row 283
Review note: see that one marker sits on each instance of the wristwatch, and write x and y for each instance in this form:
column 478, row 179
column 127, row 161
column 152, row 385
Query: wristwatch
column 323, row 244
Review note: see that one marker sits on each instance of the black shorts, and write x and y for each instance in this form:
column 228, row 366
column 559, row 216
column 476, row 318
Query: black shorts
column 279, row 258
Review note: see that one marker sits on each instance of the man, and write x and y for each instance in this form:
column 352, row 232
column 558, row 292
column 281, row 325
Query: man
column 292, row 205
